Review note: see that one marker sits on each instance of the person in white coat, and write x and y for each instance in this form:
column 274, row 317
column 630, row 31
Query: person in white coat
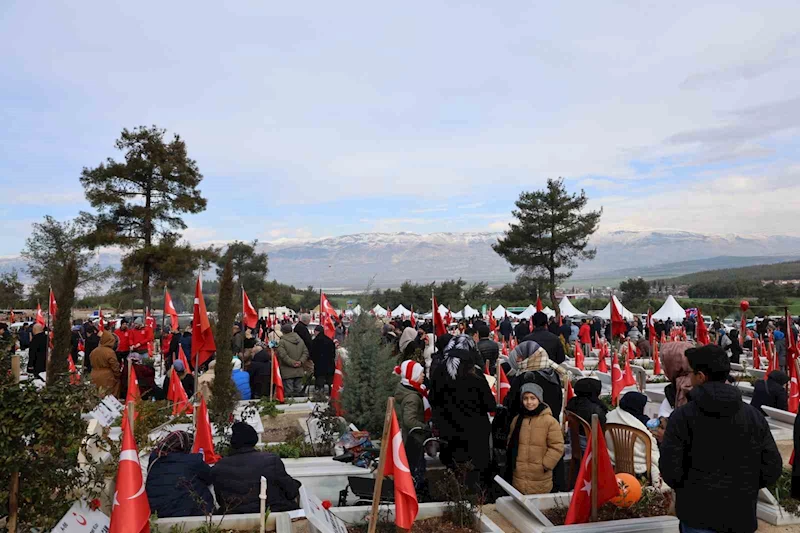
column 630, row 412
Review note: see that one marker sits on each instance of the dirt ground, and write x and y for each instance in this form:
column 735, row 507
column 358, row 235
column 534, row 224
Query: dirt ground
column 278, row 429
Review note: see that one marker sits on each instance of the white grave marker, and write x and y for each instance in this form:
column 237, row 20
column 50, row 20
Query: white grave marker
column 81, row 519
column 323, row 519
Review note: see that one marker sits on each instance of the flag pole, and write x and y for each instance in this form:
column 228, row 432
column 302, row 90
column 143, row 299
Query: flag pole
column 197, row 355
column 595, row 425
column 376, row 493
column 271, row 372
column 433, row 316
column 163, row 323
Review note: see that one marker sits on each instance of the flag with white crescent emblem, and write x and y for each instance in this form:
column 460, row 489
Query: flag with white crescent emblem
column 130, row 510
column 617, row 380
column 405, row 497
column 580, row 505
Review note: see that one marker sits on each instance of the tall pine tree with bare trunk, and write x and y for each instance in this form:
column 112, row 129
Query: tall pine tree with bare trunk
column 140, row 200
column 550, row 234
column 224, row 393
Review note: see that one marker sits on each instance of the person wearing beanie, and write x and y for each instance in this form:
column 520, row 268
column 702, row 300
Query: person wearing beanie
column 713, row 490
column 237, row 477
column 586, row 403
column 551, row 343
column 535, row 445
column 292, row 355
column 410, row 402
column 631, row 413
column 187, row 380
column 771, row 392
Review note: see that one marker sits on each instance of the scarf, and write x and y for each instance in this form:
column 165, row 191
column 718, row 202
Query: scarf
column 411, row 375
column 513, row 444
column 460, row 347
column 175, row 442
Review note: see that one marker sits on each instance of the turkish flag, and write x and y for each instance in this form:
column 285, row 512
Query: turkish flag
column 179, row 398
column 101, row 324
column 130, row 511
column 277, row 380
column 539, row 306
column 570, row 392
column 656, row 360
column 628, row 379
column 133, row 394
column 617, row 380
column 448, row 318
column 413, row 318
column 505, row 386
column 504, row 348
column 202, row 337
column 618, row 328
column 651, row 328
column 182, row 358
column 794, row 388
column 602, row 366
column 169, row 309
column 203, row 439
column 39, row 316
column 326, row 307
column 74, row 376
column 438, row 324
column 405, row 497
column 701, row 335
column 578, row 355
column 631, row 351
column 337, row 387
column 327, row 324
column 580, row 506
column 492, row 321
column 53, row 307
column 663, row 337
column 12, row 317
column 756, row 355
column 249, row 313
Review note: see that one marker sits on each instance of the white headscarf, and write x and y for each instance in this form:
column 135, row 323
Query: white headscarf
column 237, row 363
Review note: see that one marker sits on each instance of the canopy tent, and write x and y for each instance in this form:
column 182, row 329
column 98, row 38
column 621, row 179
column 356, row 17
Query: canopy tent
column 400, row 310
column 354, row 311
column 528, row 312
column 379, row 311
column 671, row 309
column 569, row 310
column 547, row 311
column 501, row 312
column 469, row 312
column 605, row 314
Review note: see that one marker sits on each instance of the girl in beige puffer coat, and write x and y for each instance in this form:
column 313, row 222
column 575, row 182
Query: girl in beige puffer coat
column 535, row 444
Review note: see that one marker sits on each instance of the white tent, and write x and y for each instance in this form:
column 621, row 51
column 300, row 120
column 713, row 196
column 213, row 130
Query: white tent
column 379, row 311
column 501, row 312
column 400, row 310
column 671, row 309
column 356, row 310
column 528, row 312
column 569, row 310
column 605, row 314
column 549, row 312
column 469, row 312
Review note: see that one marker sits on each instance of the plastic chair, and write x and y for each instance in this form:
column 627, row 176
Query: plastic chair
column 624, row 439
column 574, row 423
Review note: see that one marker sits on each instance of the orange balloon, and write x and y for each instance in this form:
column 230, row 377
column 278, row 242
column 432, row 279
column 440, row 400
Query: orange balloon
column 630, row 491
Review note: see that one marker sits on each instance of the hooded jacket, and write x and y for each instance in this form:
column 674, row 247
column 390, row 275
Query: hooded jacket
column 586, row 401
column 323, row 353
column 771, row 392
column 105, row 365
column 490, row 351
column 540, row 448
column 260, row 372
column 37, row 354
column 292, row 349
column 716, row 454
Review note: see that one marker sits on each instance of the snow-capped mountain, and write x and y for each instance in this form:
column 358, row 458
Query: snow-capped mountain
column 353, row 262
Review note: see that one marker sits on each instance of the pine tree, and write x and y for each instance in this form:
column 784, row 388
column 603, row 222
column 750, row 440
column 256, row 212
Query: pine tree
column 550, row 234
column 139, row 201
column 368, row 375
column 223, row 391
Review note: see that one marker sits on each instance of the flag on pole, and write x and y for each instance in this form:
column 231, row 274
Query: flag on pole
column 579, row 356
column 337, row 387
column 202, row 337
column 794, row 387
column 182, row 359
column 756, row 354
column 617, row 380
column 133, row 394
column 326, row 307
column 448, row 318
column 39, row 316
column 651, row 327
column 169, row 309
column 438, row 324
column 74, row 375
column 249, row 313
column 327, row 324
column 580, row 505
column 570, row 392
column 618, row 328
column 701, row 335
column 656, row 360
column 53, row 307
column 492, row 321
column 130, row 510
column 602, row 366
column 180, row 401
column 203, row 439
column 505, row 386
column 413, row 318
column 628, row 379
column 277, row 380
column 405, row 497
column 539, row 306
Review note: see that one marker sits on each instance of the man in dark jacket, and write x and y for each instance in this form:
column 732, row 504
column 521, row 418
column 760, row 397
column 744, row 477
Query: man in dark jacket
column 92, row 341
column 323, row 354
column 771, row 392
column 551, row 343
column 489, row 349
column 506, row 329
column 301, row 328
column 177, row 479
column 717, row 451
column 522, row 329
column 37, row 352
column 237, row 477
column 260, row 371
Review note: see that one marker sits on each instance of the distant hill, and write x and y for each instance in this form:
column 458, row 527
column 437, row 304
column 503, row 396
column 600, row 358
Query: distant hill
column 700, row 266
column 776, row 271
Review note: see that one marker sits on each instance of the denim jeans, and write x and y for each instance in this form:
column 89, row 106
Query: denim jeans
column 690, row 529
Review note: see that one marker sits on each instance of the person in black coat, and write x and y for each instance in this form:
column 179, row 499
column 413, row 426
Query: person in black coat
column 506, row 329
column 717, row 451
column 461, row 400
column 489, row 349
column 551, row 343
column 301, row 328
column 586, row 402
column 92, row 341
column 237, row 477
column 178, row 480
column 260, row 371
column 796, row 466
column 522, row 329
column 771, row 392
column 323, row 354
column 37, row 352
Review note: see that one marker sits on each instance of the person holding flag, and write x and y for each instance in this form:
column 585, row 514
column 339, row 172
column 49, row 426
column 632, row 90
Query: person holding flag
column 413, row 414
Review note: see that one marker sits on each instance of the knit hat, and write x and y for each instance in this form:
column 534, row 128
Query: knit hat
column 410, row 371
column 237, row 363
column 286, row 328
column 588, row 387
column 243, row 436
column 534, row 389
column 178, row 366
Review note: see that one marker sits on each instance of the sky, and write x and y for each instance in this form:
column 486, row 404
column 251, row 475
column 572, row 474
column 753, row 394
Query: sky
column 315, row 119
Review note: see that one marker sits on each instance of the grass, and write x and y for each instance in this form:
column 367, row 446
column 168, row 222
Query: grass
column 794, row 303
column 782, row 491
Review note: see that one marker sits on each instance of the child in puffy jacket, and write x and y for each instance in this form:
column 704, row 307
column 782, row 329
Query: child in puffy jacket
column 535, row 444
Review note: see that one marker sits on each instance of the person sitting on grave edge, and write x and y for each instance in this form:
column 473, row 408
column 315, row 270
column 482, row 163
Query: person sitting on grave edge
column 237, row 477
column 177, row 479
column 771, row 392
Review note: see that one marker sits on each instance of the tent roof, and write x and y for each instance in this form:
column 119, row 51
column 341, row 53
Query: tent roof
column 528, row 312
column 501, row 312
column 469, row 312
column 567, row 309
column 605, row 314
column 379, row 311
column 671, row 309
column 549, row 312
column 400, row 310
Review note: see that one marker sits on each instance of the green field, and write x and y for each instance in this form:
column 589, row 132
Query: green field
column 794, row 303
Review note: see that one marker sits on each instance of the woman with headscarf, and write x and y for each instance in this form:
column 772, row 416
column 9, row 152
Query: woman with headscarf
column 734, row 346
column 461, row 401
column 177, row 479
column 631, row 413
column 241, row 379
column 106, row 374
column 411, row 347
column 676, row 368
column 771, row 392
column 586, row 403
column 413, row 413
